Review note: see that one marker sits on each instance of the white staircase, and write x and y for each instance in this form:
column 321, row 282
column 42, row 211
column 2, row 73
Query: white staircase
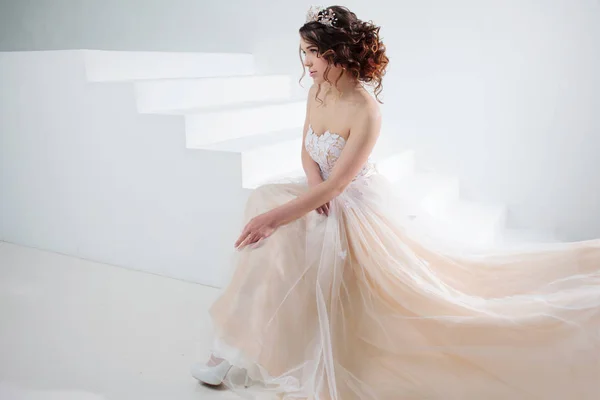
column 263, row 157
column 230, row 110
column 209, row 127
column 156, row 96
column 176, row 140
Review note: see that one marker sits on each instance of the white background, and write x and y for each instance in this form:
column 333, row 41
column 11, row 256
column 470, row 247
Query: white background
column 502, row 93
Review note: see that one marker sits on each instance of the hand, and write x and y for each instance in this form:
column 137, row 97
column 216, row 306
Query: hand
column 258, row 229
column 324, row 209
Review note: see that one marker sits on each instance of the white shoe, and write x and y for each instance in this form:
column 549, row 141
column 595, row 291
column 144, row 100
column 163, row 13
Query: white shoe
column 211, row 375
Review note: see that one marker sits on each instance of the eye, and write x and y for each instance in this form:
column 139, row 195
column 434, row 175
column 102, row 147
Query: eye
column 314, row 51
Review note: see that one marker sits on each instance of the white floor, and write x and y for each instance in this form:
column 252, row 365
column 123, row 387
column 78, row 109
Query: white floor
column 72, row 329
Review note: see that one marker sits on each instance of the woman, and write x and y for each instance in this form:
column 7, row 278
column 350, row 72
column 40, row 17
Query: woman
column 345, row 304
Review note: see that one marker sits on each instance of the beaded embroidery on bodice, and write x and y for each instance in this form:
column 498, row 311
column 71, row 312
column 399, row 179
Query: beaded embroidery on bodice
column 325, row 149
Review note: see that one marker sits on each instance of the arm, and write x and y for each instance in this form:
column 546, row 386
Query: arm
column 364, row 132
column 311, row 168
column 363, row 136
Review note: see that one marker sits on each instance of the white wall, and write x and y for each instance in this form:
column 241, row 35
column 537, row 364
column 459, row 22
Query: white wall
column 502, row 93
column 83, row 173
column 123, row 25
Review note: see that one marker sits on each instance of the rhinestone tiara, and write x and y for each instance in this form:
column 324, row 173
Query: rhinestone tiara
column 326, row 16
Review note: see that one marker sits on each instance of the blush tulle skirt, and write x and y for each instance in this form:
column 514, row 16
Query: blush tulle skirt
column 355, row 306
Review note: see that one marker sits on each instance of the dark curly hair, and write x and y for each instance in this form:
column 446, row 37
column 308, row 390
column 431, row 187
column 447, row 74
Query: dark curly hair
column 349, row 43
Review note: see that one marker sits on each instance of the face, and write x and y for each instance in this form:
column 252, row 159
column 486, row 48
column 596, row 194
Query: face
column 315, row 64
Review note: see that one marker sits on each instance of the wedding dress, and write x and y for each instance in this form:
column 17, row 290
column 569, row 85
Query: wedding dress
column 352, row 306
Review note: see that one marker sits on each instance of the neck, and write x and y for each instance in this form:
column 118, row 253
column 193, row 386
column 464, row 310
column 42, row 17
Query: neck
column 343, row 87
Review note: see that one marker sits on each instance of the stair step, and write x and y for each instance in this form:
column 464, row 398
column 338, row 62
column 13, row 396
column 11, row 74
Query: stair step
column 111, row 66
column 264, row 157
column 428, row 192
column 208, row 127
column 396, row 166
column 513, row 237
column 228, row 107
column 248, row 143
column 175, row 94
column 473, row 223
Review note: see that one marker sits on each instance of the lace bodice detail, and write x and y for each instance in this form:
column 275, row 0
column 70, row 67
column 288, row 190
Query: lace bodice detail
column 325, row 149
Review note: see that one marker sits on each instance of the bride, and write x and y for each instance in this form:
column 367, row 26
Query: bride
column 333, row 298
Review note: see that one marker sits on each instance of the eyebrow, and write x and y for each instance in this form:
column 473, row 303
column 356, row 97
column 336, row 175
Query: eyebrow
column 308, row 47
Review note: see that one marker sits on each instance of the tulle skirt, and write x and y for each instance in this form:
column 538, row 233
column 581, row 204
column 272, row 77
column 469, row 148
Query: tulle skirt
column 355, row 305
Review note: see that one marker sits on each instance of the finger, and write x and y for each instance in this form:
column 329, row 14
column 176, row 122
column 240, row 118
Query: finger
column 243, row 235
column 252, row 237
column 258, row 243
column 239, row 241
column 254, row 241
column 326, row 208
column 242, row 244
column 243, row 241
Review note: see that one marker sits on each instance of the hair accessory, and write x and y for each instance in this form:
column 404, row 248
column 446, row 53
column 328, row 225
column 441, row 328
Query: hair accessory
column 320, row 14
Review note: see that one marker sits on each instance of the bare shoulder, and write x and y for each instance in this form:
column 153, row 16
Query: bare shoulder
column 368, row 113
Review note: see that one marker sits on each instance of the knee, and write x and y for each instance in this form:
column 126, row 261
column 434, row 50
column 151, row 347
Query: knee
column 260, row 200
column 261, row 192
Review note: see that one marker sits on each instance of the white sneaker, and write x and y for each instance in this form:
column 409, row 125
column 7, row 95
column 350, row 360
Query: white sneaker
column 211, row 375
